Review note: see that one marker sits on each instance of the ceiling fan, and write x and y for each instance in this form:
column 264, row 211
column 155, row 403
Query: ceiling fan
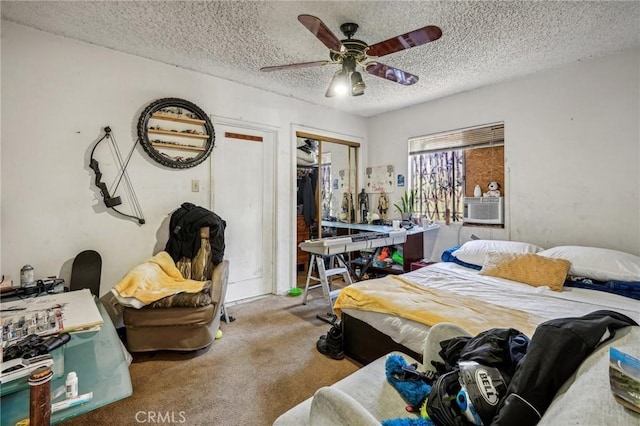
column 351, row 53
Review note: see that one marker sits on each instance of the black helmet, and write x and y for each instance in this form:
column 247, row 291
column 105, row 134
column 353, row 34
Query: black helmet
column 441, row 405
column 481, row 390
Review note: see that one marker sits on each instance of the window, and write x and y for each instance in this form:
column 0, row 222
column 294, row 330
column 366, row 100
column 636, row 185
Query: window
column 437, row 177
column 445, row 167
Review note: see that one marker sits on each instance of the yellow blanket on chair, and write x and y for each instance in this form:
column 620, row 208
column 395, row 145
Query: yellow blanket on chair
column 152, row 280
column 397, row 296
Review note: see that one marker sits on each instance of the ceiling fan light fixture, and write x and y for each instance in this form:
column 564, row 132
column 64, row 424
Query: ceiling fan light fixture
column 339, row 85
column 351, row 52
column 357, row 84
column 341, row 88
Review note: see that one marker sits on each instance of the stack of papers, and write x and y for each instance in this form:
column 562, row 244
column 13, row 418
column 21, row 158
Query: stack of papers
column 70, row 312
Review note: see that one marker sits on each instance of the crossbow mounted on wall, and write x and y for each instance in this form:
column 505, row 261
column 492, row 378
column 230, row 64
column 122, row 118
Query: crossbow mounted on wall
column 112, row 201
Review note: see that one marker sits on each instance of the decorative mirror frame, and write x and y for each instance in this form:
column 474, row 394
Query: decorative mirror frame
column 173, row 110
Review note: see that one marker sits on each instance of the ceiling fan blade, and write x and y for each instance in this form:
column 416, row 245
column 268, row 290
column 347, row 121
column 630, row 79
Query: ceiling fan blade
column 322, row 32
column 294, row 66
column 390, row 73
column 405, row 41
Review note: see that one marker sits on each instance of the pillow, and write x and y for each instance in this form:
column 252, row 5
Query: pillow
column 473, row 252
column 447, row 256
column 598, row 263
column 531, row 269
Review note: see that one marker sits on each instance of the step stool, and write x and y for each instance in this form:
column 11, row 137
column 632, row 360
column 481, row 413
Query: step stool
column 324, row 277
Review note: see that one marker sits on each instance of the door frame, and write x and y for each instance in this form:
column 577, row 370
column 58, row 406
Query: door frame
column 273, row 131
column 327, row 136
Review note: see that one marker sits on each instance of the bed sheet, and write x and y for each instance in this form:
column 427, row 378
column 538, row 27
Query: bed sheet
column 540, row 301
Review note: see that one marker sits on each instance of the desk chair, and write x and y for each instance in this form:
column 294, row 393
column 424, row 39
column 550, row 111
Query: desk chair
column 86, row 271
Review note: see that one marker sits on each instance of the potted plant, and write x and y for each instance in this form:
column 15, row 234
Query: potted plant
column 405, row 206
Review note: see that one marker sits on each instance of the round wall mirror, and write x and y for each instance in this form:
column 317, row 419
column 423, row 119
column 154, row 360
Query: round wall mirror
column 176, row 133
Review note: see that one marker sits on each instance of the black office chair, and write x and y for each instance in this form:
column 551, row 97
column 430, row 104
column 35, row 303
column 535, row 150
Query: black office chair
column 86, row 271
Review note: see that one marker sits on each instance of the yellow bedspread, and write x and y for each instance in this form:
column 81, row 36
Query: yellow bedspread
column 152, row 280
column 395, row 295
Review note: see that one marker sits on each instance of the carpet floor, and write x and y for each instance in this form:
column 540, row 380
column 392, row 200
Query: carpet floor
column 265, row 363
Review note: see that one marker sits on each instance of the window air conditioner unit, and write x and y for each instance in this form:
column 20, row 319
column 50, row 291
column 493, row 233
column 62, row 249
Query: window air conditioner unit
column 488, row 210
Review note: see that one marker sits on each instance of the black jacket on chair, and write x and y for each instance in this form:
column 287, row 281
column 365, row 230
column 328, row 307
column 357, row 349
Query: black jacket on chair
column 184, row 232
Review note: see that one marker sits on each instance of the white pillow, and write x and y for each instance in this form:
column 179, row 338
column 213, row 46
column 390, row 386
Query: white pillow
column 473, row 251
column 598, row 263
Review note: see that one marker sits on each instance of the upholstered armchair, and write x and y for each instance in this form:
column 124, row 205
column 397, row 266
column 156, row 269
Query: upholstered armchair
column 184, row 321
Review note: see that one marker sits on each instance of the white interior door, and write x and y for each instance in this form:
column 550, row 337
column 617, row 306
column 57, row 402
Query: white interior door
column 243, row 176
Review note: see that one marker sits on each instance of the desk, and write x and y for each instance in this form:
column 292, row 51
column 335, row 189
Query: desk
column 419, row 244
column 98, row 360
column 373, row 228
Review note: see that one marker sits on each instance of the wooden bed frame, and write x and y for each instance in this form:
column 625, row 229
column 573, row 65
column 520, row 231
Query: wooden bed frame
column 364, row 344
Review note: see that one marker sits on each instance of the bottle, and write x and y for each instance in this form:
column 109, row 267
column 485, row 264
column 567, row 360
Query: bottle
column 425, row 222
column 71, row 385
column 40, row 396
column 27, row 276
column 477, row 191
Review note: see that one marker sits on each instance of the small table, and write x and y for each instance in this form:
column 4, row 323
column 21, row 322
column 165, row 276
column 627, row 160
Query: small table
column 99, row 361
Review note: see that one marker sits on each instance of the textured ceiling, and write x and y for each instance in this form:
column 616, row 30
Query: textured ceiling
column 482, row 42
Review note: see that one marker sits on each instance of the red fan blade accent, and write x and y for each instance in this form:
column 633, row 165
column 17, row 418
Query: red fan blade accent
column 390, row 73
column 405, row 41
column 321, row 31
column 294, row 66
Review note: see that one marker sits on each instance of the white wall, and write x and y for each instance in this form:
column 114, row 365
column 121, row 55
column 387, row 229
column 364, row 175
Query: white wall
column 58, row 94
column 572, row 151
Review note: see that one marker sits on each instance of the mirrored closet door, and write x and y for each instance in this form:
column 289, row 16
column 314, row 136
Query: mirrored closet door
column 327, row 187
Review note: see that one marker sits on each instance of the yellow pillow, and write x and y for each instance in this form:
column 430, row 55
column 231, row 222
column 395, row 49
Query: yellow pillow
column 530, row 269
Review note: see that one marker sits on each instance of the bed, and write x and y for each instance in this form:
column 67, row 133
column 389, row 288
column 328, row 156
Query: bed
column 376, row 321
column 483, row 285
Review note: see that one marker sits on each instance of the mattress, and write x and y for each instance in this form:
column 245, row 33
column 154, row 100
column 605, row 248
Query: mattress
column 539, row 301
